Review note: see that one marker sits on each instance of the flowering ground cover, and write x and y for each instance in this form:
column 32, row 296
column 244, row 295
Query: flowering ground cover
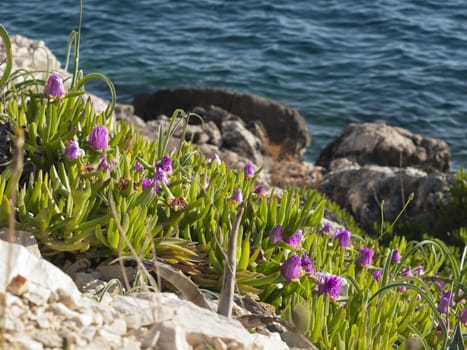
column 91, row 178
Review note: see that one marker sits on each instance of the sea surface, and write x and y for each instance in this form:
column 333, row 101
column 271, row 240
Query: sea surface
column 403, row 62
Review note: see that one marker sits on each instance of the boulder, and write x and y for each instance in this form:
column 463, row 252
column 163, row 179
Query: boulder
column 240, row 140
column 381, row 144
column 361, row 189
column 283, row 125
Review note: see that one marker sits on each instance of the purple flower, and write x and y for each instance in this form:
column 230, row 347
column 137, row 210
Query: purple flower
column 343, row 238
column 156, row 188
column 443, row 305
column 161, row 176
column 276, row 234
column 104, row 165
column 291, row 269
column 306, row 264
column 330, row 284
column 377, row 274
column 407, row 272
column 419, row 271
column 54, row 87
column 259, row 190
column 463, row 316
column 138, row 166
column 396, row 257
column 237, row 195
column 147, row 183
column 294, row 240
column 248, row 170
column 327, row 228
column 72, row 150
column 215, row 157
column 365, row 255
column 165, row 164
column 99, row 138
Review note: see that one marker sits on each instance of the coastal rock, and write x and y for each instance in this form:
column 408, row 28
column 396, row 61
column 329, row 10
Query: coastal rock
column 360, row 190
column 240, row 140
column 44, row 310
column 37, row 271
column 381, row 144
column 29, row 54
column 283, row 125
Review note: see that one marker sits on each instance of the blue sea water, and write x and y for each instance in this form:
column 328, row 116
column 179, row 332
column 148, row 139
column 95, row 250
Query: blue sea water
column 403, row 62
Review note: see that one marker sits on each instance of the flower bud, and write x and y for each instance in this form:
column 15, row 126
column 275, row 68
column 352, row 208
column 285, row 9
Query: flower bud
column 99, row 138
column 54, row 87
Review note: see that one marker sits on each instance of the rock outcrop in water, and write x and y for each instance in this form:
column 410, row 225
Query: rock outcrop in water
column 370, row 163
column 381, row 144
column 283, row 125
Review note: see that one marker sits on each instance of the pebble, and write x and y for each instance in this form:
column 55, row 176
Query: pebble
column 62, row 310
column 23, row 342
column 37, row 295
column 49, row 339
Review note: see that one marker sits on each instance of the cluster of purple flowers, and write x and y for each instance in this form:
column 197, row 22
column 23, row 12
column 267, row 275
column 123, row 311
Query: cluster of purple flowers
column 248, row 172
column 342, row 235
column 446, row 302
column 331, row 285
column 98, row 140
column 292, row 267
column 161, row 175
column 276, row 235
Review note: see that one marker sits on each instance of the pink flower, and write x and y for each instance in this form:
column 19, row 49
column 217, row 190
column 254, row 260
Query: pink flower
column 343, row 238
column 147, row 183
column 73, row 151
column 138, row 166
column 54, row 87
column 99, row 138
column 165, row 164
column 306, row 264
column 327, row 228
column 237, row 195
column 259, row 190
column 161, row 176
column 291, row 269
column 446, row 302
column 377, row 274
column 294, row 240
column 276, row 234
column 365, row 255
column 215, row 157
column 396, row 257
column 248, row 170
column 463, row 316
column 105, row 165
column 330, row 285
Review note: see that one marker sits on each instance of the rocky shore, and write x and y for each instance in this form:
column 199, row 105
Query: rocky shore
column 367, row 164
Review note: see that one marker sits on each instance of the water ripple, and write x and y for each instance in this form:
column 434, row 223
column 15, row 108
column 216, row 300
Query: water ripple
column 337, row 61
